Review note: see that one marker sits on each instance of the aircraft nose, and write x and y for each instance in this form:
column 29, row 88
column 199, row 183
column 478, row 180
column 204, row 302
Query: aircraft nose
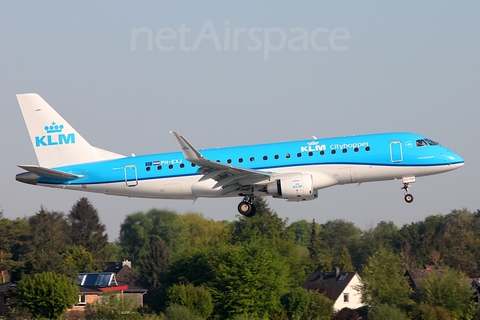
column 454, row 159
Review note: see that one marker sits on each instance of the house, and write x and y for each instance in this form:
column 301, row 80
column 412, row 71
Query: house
column 6, row 290
column 340, row 287
column 119, row 278
column 415, row 276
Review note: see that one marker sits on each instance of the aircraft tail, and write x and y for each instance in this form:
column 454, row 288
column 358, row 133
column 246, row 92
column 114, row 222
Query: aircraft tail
column 56, row 143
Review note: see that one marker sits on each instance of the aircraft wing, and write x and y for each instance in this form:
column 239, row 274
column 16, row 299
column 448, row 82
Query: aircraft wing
column 228, row 177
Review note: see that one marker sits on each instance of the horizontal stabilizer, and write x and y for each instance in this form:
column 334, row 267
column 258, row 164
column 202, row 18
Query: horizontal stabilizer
column 50, row 173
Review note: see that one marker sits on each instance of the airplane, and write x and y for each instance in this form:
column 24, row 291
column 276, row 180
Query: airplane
column 294, row 171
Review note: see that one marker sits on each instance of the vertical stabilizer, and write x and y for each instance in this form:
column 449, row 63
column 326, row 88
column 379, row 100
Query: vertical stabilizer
column 56, row 143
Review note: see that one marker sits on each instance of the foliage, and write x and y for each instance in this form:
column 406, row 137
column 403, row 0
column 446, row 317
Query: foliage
column 180, row 312
column 47, row 294
column 345, row 262
column 300, row 230
column 314, row 247
column 78, row 259
column 200, row 232
column 48, row 238
column 296, row 302
column 319, row 308
column 244, row 279
column 86, row 230
column 384, row 311
column 346, row 314
column 424, row 311
column 139, row 230
column 383, row 280
column 14, row 244
column 197, row 299
column 157, row 262
column 450, row 290
column 111, row 306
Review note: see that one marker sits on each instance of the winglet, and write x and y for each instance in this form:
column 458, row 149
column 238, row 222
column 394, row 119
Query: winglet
column 189, row 151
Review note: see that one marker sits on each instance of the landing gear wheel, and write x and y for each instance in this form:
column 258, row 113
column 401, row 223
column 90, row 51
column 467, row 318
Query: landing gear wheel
column 247, row 209
column 408, row 198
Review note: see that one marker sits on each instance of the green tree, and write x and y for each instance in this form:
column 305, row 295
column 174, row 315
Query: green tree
column 48, row 238
column 47, row 294
column 383, row 280
column 200, row 232
column 246, row 279
column 15, row 243
column 384, row 311
column 450, row 290
column 197, row 299
column 180, row 312
column 140, row 229
column 345, row 262
column 319, row 308
column 157, row 262
column 112, row 306
column 86, row 229
column 78, row 259
column 267, row 228
column 301, row 231
column 296, row 302
column 424, row 311
column 314, row 247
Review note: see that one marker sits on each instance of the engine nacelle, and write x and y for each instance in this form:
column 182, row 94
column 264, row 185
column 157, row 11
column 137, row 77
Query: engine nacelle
column 293, row 187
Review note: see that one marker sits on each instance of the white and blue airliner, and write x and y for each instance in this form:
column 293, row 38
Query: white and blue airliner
column 294, row 171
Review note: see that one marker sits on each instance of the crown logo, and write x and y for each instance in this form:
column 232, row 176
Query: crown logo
column 312, row 143
column 54, row 128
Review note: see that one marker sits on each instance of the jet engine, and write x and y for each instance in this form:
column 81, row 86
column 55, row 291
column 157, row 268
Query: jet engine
column 293, row 187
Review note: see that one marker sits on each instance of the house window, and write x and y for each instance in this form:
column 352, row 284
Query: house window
column 345, row 297
column 6, row 301
column 82, row 299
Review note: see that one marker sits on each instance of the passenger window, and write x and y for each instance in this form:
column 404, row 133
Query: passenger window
column 170, row 166
column 322, row 153
column 355, row 149
column 160, row 167
column 276, row 157
column 252, row 159
column 182, row 165
column 229, row 160
column 193, row 165
column 147, row 168
column 333, row 151
column 344, row 150
column 287, row 155
column 367, row 148
column 310, row 153
column 265, row 158
column 240, row 160
column 299, row 155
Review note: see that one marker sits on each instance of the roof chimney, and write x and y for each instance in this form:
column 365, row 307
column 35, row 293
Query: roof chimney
column 127, row 263
column 337, row 271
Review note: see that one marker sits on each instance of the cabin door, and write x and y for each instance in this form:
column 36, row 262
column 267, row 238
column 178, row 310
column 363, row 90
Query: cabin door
column 131, row 178
column 396, row 154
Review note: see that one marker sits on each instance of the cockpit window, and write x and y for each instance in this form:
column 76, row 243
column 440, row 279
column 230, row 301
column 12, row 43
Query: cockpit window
column 431, row 142
column 421, row 143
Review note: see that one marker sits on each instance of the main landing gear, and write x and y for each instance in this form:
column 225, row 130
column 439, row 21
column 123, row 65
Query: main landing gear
column 406, row 185
column 246, row 207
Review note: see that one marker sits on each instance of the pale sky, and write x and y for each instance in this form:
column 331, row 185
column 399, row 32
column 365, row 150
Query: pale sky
column 233, row 73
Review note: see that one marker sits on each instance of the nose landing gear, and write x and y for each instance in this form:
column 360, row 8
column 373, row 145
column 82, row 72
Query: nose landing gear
column 246, row 207
column 406, row 185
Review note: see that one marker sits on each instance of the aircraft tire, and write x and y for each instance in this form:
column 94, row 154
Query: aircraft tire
column 408, row 198
column 247, row 209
